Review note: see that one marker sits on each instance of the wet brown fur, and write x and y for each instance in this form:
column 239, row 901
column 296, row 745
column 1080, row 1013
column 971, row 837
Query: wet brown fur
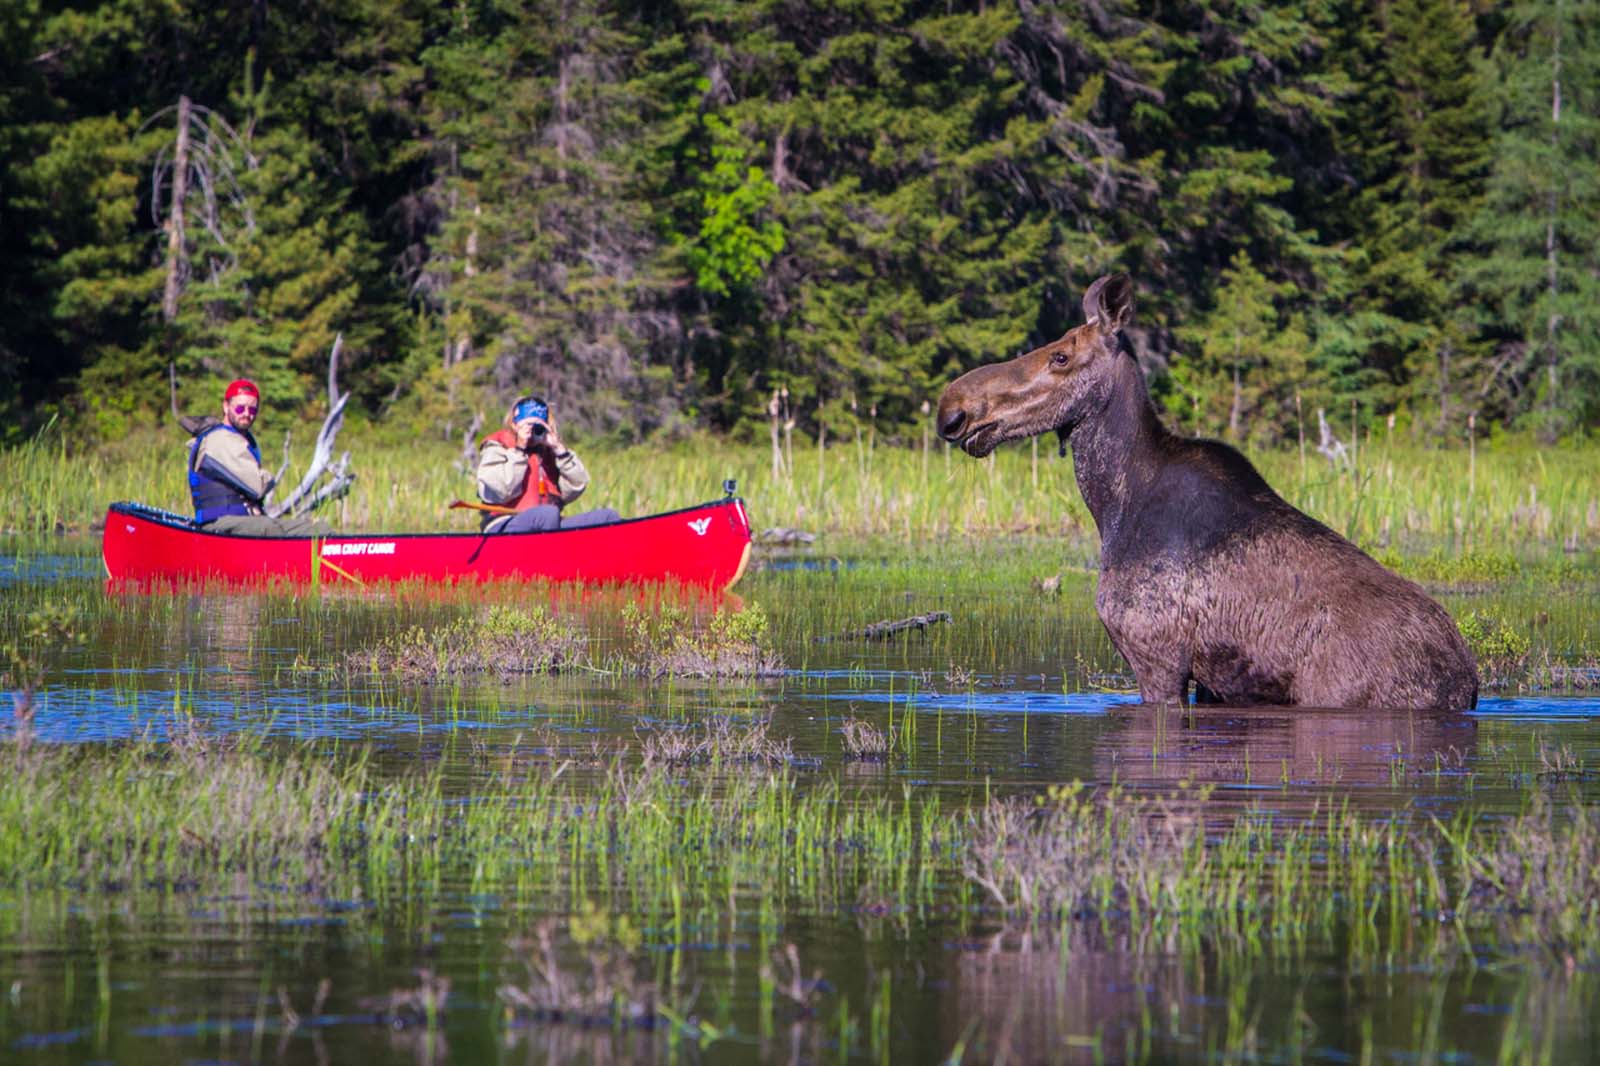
column 1206, row 574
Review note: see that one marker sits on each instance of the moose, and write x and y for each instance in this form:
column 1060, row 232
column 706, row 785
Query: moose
column 1206, row 574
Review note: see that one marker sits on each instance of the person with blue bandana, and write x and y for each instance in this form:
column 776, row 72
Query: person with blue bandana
column 525, row 466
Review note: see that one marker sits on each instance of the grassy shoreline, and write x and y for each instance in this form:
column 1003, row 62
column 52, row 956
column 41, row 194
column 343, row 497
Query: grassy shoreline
column 1513, row 495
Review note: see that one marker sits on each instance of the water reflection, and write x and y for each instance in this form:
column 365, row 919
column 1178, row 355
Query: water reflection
column 1299, row 752
column 1023, row 997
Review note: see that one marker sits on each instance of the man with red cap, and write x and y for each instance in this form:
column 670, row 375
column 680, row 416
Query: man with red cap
column 226, row 479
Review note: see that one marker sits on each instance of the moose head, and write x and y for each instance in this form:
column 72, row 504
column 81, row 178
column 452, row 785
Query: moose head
column 1049, row 388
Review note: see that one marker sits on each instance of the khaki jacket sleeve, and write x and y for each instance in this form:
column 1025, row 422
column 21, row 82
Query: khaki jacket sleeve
column 230, row 452
column 502, row 472
column 572, row 477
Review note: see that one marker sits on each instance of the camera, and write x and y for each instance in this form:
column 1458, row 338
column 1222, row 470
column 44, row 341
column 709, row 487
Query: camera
column 538, row 430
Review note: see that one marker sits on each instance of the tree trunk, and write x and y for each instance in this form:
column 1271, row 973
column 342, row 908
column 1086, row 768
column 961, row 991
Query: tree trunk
column 1553, row 320
column 1444, row 388
column 180, row 189
column 1235, row 410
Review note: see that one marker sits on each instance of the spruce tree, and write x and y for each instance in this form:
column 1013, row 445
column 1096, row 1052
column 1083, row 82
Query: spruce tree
column 1539, row 228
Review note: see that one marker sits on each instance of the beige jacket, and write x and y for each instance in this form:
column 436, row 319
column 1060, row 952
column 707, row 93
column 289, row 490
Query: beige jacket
column 231, row 452
column 503, row 474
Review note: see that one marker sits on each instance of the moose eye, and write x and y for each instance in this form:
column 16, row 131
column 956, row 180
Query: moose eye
column 1059, row 359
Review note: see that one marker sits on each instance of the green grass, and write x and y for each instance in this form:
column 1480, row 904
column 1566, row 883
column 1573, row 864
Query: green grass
column 1506, row 499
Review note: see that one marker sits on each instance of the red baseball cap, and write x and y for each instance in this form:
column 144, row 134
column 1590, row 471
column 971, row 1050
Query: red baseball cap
column 242, row 385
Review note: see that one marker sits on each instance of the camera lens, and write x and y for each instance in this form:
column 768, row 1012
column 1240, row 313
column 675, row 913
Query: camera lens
column 538, row 429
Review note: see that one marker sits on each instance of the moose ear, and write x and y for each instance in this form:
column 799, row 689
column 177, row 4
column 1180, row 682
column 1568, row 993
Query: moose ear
column 1109, row 302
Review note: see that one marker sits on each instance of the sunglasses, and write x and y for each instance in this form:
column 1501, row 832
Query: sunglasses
column 246, row 408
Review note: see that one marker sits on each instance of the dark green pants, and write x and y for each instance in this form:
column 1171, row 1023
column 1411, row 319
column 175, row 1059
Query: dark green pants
column 260, row 525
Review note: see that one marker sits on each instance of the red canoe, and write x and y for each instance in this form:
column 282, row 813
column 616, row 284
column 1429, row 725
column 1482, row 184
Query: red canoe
column 707, row 546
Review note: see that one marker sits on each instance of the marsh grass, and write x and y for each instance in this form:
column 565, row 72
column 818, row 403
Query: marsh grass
column 668, row 640
column 1398, row 495
column 401, row 1008
column 865, row 741
column 173, row 815
column 605, row 989
column 199, row 815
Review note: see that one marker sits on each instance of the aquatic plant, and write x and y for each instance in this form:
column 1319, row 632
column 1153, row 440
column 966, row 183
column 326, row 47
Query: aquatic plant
column 503, row 640
column 401, row 1008
column 27, row 655
column 670, row 642
column 608, row 991
column 1075, row 853
column 863, row 740
column 717, row 740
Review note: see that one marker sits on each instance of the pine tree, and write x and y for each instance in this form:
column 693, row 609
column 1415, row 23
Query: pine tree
column 1250, row 360
column 1418, row 140
column 1540, row 224
column 544, row 273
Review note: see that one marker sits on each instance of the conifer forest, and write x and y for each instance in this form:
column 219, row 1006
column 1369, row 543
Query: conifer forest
column 660, row 214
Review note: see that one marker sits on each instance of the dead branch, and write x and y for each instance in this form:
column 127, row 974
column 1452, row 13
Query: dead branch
column 303, row 499
column 886, row 630
column 1329, row 445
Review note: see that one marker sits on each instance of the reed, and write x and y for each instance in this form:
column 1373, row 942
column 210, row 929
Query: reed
column 1403, row 497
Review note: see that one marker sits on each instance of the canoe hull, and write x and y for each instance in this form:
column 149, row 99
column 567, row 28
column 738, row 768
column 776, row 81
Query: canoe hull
column 706, row 546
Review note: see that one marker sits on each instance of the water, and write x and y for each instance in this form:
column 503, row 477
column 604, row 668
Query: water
column 1020, row 691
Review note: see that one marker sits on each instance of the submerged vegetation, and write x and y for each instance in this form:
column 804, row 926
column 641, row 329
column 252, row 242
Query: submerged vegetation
column 667, row 641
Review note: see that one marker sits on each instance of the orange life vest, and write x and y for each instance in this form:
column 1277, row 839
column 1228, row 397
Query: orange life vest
column 541, row 486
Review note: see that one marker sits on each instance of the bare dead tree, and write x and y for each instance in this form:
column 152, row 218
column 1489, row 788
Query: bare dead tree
column 306, row 497
column 204, row 189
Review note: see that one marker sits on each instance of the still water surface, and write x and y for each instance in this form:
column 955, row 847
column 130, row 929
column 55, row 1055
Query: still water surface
column 1019, row 691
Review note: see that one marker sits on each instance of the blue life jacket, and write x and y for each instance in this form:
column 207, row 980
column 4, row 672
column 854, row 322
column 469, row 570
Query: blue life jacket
column 213, row 496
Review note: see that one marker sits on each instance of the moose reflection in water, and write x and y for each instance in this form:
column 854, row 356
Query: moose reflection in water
column 1307, row 753
column 1206, row 574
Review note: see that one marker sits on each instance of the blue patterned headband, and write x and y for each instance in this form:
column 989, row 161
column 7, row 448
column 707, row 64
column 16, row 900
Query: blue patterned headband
column 531, row 409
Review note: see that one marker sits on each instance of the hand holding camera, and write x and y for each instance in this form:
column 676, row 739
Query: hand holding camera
column 536, row 430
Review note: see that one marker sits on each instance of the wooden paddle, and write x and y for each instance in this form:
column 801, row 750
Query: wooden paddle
column 472, row 505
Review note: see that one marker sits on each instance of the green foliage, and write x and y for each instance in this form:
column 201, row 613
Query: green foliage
column 1500, row 650
column 734, row 245
column 1538, row 232
column 667, row 641
column 1454, row 567
column 503, row 641
column 658, row 214
column 1251, row 364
